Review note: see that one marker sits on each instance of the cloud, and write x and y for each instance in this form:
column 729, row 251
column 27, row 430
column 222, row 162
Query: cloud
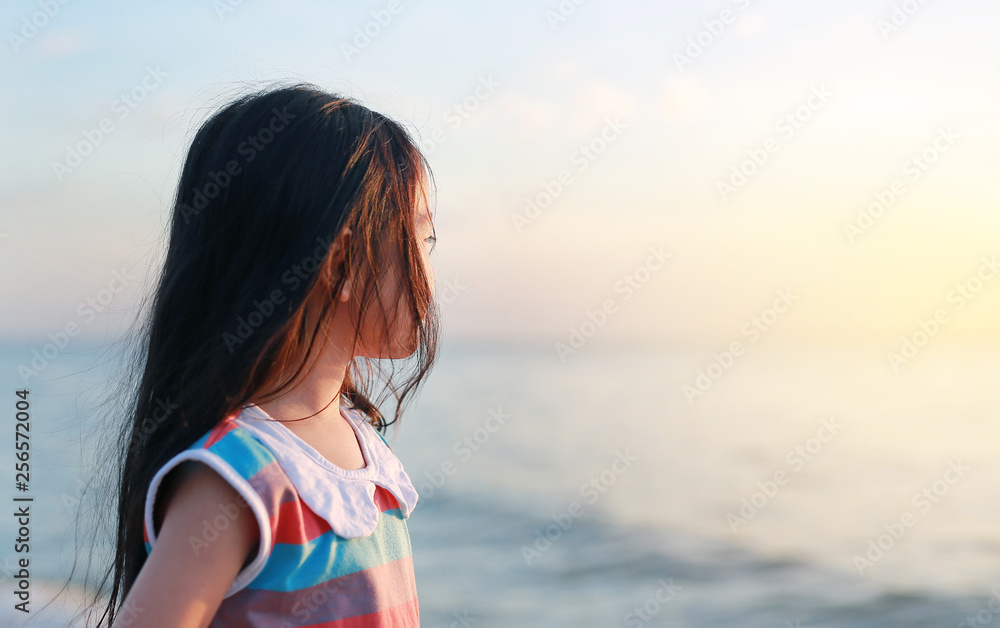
column 683, row 99
column 594, row 101
column 60, row 43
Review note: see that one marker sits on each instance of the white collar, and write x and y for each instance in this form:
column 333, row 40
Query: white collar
column 344, row 498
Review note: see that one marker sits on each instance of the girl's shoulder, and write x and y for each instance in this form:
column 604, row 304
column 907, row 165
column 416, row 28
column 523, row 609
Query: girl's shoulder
column 228, row 448
column 250, row 468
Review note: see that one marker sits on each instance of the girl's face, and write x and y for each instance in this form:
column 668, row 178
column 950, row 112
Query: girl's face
column 403, row 339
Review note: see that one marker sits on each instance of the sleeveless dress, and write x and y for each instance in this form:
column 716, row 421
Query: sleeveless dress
column 334, row 547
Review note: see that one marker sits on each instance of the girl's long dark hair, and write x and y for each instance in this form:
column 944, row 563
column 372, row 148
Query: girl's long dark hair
column 269, row 183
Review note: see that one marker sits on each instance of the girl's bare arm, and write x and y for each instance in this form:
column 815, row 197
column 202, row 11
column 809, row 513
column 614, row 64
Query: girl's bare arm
column 177, row 587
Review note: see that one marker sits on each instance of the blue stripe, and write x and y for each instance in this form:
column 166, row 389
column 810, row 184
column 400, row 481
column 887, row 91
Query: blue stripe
column 243, row 452
column 291, row 567
column 200, row 443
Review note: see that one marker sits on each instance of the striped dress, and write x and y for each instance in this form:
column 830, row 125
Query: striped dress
column 334, row 547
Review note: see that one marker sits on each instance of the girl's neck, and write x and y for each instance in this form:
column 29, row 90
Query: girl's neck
column 317, row 396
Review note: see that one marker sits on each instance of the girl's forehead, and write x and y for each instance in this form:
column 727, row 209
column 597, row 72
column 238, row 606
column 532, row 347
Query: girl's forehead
column 423, row 211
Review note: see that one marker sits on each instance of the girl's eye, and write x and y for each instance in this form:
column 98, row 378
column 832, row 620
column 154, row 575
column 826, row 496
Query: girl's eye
column 432, row 240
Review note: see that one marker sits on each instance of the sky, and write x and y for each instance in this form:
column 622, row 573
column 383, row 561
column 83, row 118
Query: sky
column 840, row 154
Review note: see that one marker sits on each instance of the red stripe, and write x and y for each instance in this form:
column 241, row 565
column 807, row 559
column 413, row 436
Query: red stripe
column 221, row 429
column 378, row 593
column 384, row 499
column 297, row 523
column 406, row 615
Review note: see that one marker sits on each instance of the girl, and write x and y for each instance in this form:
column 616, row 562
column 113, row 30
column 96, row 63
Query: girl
column 256, row 488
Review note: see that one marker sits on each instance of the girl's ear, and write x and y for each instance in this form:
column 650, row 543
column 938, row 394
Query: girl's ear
column 338, row 256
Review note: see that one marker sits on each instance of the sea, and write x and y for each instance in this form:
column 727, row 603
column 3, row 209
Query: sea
column 629, row 485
